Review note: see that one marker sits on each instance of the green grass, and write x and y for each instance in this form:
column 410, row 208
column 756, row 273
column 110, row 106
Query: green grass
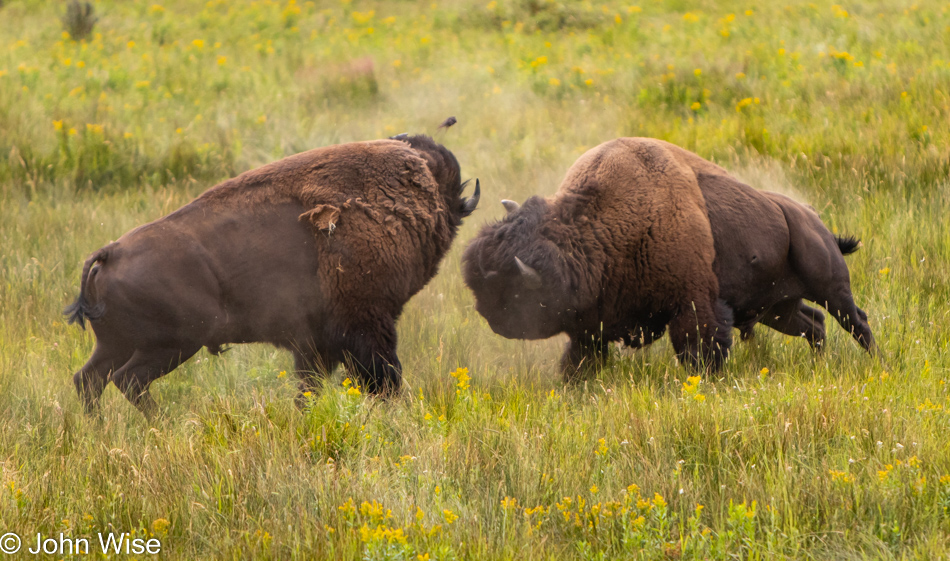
column 790, row 455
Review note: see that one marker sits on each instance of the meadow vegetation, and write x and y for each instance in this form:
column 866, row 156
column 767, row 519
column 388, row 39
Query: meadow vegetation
column 487, row 454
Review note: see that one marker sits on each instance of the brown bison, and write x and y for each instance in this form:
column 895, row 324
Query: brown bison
column 642, row 235
column 316, row 253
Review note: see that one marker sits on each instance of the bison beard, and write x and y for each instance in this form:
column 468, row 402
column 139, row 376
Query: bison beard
column 316, row 253
column 643, row 236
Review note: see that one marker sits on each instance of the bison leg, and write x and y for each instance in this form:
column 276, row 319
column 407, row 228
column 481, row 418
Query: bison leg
column 795, row 318
column 643, row 336
column 583, row 355
column 92, row 378
column 311, row 367
column 700, row 338
column 135, row 376
column 849, row 316
column 747, row 332
column 371, row 358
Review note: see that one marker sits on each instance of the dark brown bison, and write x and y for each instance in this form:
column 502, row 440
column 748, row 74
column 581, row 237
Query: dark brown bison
column 624, row 247
column 771, row 252
column 316, row 253
column 642, row 235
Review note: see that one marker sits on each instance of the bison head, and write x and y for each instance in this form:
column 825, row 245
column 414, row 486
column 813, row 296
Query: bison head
column 519, row 275
column 445, row 170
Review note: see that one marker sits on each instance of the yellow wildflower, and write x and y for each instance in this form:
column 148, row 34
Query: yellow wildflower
column 160, row 526
column 461, row 374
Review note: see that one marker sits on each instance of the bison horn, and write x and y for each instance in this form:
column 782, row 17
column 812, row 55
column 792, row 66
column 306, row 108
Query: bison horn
column 400, row 136
column 468, row 205
column 510, row 206
column 531, row 277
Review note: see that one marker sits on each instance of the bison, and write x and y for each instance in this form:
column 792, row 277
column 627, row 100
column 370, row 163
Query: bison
column 643, row 235
column 316, row 253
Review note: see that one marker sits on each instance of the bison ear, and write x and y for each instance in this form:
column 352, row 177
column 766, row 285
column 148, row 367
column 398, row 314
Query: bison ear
column 323, row 217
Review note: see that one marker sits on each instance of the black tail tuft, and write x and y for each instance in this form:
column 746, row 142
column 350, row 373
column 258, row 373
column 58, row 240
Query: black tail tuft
column 848, row 245
column 74, row 313
column 81, row 310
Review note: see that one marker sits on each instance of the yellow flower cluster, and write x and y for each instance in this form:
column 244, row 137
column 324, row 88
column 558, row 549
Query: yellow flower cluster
column 746, row 102
column 461, row 374
column 160, row 526
column 351, row 388
column 840, row 476
column 382, row 533
column 691, row 389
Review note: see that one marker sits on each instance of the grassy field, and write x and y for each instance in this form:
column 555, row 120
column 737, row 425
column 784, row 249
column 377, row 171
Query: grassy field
column 783, row 454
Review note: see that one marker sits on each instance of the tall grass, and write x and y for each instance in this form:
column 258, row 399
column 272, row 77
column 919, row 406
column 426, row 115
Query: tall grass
column 789, row 455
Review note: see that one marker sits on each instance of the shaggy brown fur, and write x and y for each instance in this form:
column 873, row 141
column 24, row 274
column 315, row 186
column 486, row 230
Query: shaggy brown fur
column 316, row 253
column 770, row 253
column 624, row 247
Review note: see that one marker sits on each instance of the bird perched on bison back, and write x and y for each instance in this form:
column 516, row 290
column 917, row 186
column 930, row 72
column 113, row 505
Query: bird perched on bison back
column 643, row 235
column 316, row 253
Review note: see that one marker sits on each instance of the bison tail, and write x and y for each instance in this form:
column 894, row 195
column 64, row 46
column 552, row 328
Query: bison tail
column 81, row 310
column 848, row 245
